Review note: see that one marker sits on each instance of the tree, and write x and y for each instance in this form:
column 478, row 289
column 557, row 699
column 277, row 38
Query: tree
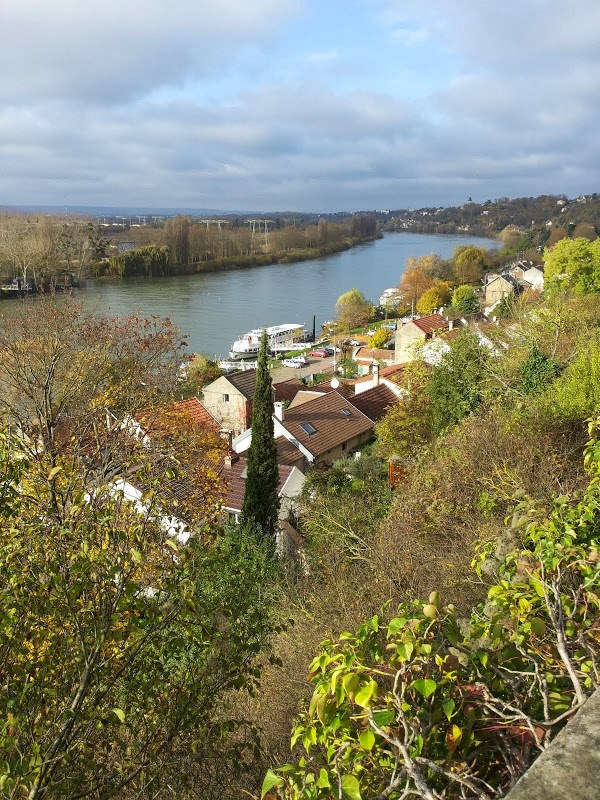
column 435, row 297
column 406, row 426
column 261, row 501
column 118, row 645
column 381, row 337
column 470, row 263
column 454, row 388
column 574, row 263
column 352, row 309
column 423, row 705
column 62, row 371
column 464, row 300
column 414, row 284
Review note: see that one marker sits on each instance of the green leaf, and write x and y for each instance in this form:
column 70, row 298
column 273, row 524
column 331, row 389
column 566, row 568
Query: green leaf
column 350, row 788
column 538, row 626
column 269, row 782
column 367, row 740
column 136, row 555
column 364, row 695
column 383, row 718
column 424, row 686
column 119, row 713
column 396, row 625
column 448, row 705
column 323, row 782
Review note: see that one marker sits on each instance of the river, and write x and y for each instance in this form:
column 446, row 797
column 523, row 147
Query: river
column 212, row 309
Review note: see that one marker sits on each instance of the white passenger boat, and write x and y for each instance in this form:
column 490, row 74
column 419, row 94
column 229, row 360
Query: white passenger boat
column 280, row 338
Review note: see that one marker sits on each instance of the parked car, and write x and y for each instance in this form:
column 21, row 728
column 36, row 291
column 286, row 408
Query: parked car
column 355, row 342
column 331, row 351
column 320, row 352
column 295, row 363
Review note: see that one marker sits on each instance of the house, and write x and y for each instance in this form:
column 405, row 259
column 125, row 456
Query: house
column 366, row 357
column 375, row 402
column 229, row 400
column 505, row 285
column 158, row 420
column 390, row 298
column 386, row 375
column 323, row 429
column 234, row 471
column 415, row 333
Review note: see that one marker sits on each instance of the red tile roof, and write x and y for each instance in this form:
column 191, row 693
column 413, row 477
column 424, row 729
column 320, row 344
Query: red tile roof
column 434, row 322
column 190, row 411
column 391, row 372
column 287, row 390
column 235, row 481
column 373, row 354
column 374, row 402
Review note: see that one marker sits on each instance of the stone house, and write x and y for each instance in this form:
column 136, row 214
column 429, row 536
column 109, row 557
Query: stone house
column 416, row 333
column 229, row 400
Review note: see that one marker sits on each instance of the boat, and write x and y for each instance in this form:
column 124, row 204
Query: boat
column 18, row 288
column 280, row 339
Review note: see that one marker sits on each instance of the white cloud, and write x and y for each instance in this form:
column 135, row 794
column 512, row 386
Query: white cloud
column 115, row 51
column 110, row 104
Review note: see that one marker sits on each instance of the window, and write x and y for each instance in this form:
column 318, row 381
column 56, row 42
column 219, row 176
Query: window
column 344, row 446
column 308, row 428
column 346, row 412
column 225, row 398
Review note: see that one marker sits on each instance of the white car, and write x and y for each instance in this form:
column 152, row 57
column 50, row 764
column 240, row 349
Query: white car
column 296, row 362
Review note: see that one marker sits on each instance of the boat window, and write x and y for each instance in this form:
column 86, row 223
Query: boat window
column 308, row 428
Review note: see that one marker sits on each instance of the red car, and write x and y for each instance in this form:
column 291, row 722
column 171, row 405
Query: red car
column 320, row 352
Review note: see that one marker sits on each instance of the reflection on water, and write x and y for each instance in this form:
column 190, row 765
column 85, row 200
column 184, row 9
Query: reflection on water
column 214, row 308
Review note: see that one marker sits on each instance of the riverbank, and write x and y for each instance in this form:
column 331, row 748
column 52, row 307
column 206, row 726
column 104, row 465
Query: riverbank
column 153, row 261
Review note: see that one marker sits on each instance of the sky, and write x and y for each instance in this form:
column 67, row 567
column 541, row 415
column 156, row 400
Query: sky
column 305, row 105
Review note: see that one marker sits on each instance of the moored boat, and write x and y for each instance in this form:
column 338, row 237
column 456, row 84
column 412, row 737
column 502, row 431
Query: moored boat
column 280, row 338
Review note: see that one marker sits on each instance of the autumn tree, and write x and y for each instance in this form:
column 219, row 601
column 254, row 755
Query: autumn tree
column 415, row 282
column 62, row 371
column 118, row 644
column 261, row 500
column 433, row 298
column 352, row 309
column 432, row 265
column 469, row 263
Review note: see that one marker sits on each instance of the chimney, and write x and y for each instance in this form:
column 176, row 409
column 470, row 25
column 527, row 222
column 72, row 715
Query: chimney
column 376, row 374
column 450, row 324
column 278, row 406
column 229, row 459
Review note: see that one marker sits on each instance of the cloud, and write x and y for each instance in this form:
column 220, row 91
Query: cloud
column 115, row 51
column 270, row 105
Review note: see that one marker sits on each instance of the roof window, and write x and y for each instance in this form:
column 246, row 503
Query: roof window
column 308, row 428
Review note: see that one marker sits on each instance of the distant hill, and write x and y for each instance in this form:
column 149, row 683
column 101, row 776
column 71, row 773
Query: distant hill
column 491, row 217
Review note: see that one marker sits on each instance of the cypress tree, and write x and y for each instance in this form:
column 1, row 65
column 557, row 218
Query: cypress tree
column 261, row 503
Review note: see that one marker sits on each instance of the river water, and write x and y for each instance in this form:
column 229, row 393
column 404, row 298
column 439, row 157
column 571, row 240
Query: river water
column 213, row 309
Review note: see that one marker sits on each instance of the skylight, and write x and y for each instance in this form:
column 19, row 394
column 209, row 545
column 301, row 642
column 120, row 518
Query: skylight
column 308, row 428
column 346, row 412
